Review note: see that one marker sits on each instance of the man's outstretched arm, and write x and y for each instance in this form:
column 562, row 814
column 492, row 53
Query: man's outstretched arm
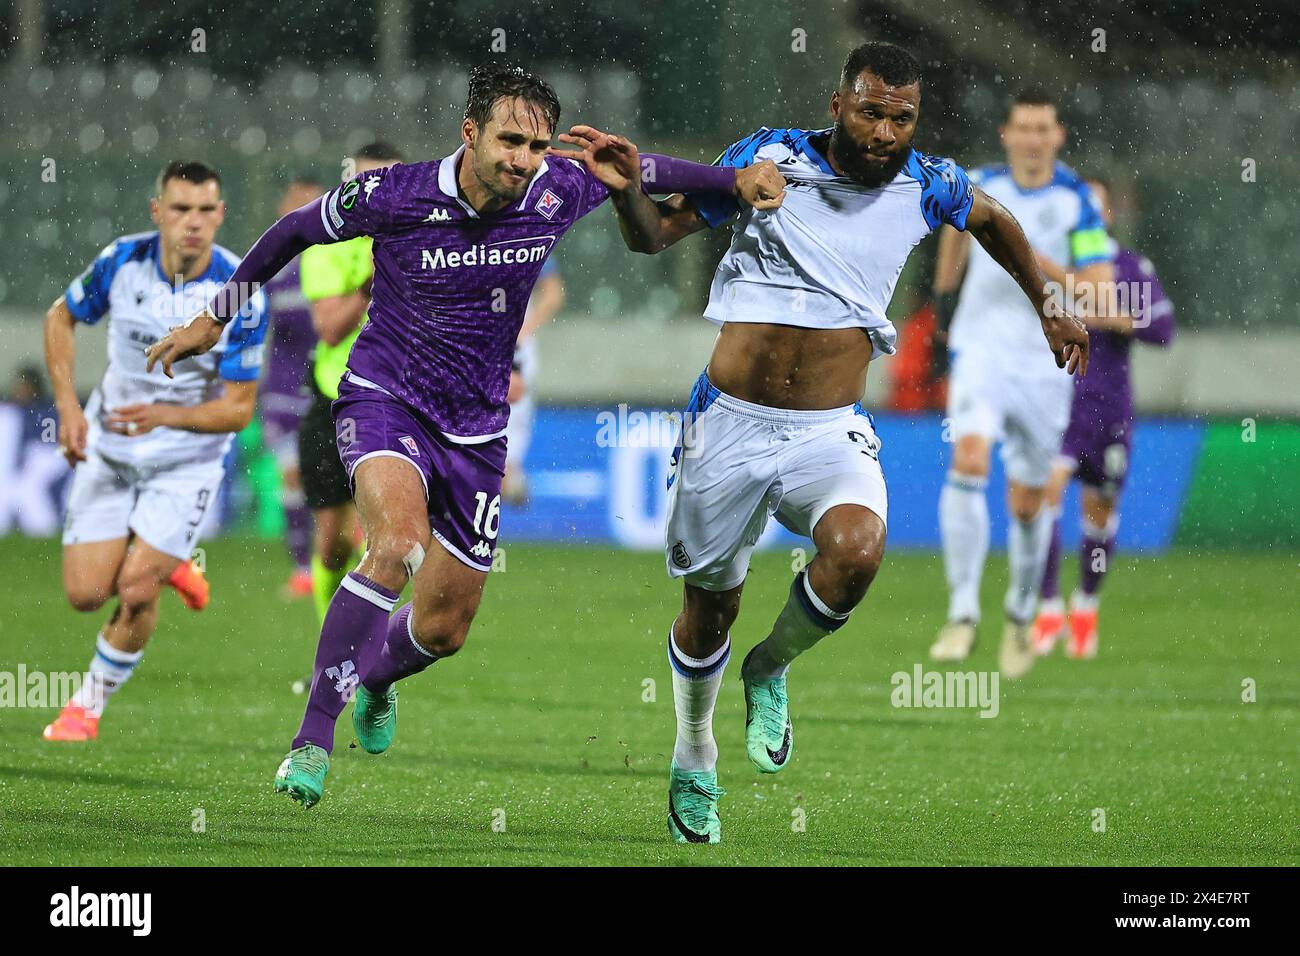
column 1002, row 238
column 278, row 246
column 648, row 226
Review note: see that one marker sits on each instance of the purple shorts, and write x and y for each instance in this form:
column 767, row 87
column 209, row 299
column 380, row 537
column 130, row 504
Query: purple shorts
column 462, row 482
column 1098, row 451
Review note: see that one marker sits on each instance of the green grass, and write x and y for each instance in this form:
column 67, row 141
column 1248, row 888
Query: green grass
column 542, row 717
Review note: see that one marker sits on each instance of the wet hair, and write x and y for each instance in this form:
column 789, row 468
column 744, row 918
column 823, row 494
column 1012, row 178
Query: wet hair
column 190, row 170
column 891, row 63
column 490, row 82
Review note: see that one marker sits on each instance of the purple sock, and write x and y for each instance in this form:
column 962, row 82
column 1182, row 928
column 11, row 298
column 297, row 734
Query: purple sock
column 1050, row 588
column 356, row 621
column 1094, row 560
column 297, row 534
column 399, row 656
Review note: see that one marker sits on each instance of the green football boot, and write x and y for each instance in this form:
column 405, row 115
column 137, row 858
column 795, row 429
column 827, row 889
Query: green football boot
column 693, row 805
column 769, row 735
column 302, row 774
column 374, row 718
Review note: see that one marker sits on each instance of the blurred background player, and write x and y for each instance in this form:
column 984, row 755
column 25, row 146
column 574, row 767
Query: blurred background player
column 336, row 280
column 283, row 401
column 1002, row 386
column 1099, row 441
column 148, row 451
column 546, row 300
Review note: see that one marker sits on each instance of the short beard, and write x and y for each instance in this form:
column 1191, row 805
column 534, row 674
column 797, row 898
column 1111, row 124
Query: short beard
column 850, row 160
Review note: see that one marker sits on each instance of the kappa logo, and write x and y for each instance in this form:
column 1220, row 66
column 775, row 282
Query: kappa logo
column 410, row 445
column 345, row 678
column 549, row 204
column 481, row 550
column 371, row 186
column 438, row 215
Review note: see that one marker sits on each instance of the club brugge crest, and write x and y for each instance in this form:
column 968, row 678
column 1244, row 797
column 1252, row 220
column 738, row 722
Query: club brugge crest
column 548, row 204
column 680, row 556
column 410, row 444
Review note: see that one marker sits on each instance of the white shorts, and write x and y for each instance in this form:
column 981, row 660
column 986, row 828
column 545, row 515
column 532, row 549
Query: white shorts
column 163, row 505
column 1028, row 414
column 739, row 463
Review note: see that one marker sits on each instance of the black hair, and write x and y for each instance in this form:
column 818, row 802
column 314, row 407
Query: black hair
column 489, row 82
column 190, row 170
column 888, row 61
column 379, row 151
column 1033, row 96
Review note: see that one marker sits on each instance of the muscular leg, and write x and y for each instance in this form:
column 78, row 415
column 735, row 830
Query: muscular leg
column 139, row 575
column 90, row 572
column 433, row 625
column 964, row 525
column 391, row 504
column 850, row 542
column 698, row 649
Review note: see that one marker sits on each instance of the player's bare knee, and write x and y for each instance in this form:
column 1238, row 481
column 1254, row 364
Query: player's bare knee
column 970, row 456
column 391, row 550
column 852, row 559
column 138, row 591
column 442, row 635
column 86, row 597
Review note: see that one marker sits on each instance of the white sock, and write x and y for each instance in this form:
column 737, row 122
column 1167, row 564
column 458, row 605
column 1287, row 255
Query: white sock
column 804, row 621
column 1027, row 543
column 109, row 669
column 964, row 527
column 695, row 692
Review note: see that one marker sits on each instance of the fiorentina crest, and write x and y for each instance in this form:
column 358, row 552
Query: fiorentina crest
column 548, row 204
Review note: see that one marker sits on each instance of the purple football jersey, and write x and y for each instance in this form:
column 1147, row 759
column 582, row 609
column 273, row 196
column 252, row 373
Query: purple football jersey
column 1105, row 394
column 292, row 339
column 451, row 286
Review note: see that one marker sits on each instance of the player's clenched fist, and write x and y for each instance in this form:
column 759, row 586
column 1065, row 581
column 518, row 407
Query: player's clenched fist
column 193, row 338
column 1068, row 338
column 761, row 185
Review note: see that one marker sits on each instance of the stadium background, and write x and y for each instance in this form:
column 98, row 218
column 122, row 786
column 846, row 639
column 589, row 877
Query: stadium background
column 1177, row 104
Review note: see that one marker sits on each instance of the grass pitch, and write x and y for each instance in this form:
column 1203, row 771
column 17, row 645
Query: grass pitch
column 543, row 742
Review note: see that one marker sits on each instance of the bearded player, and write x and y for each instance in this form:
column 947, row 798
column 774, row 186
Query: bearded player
column 774, row 425
column 421, row 412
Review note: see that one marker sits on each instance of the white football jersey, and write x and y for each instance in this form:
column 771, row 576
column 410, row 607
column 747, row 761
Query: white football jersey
column 830, row 256
column 126, row 284
column 1061, row 220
